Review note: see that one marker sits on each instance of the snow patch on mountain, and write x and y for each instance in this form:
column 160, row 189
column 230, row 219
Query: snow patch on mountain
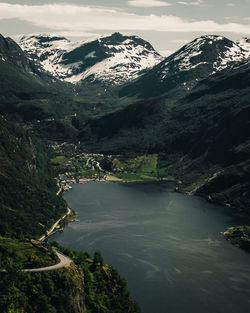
column 244, row 43
column 113, row 59
column 47, row 51
column 126, row 62
column 217, row 51
column 233, row 55
column 90, row 55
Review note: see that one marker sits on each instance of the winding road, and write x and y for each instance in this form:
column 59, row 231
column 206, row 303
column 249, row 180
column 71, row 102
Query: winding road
column 64, row 262
column 55, row 225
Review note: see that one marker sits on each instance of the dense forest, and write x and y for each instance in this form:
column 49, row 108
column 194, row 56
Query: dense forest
column 28, row 200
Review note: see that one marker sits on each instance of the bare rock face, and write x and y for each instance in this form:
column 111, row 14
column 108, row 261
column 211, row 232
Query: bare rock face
column 11, row 54
column 11, row 51
column 77, row 293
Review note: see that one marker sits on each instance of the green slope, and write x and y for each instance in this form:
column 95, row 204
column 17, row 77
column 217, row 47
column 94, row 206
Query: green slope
column 16, row 82
column 28, row 201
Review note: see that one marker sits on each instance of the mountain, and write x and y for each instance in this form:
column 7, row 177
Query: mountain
column 12, row 56
column 29, row 93
column 17, row 73
column 11, row 52
column 245, row 44
column 111, row 60
column 201, row 139
column 180, row 72
column 21, row 78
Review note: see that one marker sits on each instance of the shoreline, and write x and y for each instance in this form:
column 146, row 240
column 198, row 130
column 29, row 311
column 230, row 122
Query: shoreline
column 239, row 236
column 67, row 186
column 54, row 228
column 112, row 178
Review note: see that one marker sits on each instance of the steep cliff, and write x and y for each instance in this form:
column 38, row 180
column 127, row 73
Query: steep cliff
column 28, row 201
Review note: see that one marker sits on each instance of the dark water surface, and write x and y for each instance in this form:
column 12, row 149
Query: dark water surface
column 167, row 245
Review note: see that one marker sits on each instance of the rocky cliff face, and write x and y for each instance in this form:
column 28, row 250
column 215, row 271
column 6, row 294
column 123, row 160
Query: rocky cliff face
column 11, row 51
column 21, row 71
column 77, row 290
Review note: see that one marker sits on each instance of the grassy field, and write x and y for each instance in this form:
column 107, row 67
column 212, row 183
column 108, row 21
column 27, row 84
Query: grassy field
column 59, row 160
column 136, row 169
column 140, row 168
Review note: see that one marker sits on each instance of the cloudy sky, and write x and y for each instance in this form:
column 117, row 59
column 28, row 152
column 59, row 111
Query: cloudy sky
column 167, row 24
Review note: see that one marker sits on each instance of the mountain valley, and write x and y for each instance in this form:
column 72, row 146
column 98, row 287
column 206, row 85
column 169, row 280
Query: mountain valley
column 113, row 108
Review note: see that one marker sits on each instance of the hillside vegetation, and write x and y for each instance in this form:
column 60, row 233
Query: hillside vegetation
column 28, row 201
column 25, row 253
column 86, row 286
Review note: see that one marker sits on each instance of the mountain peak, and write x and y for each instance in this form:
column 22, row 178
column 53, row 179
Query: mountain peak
column 209, row 40
column 113, row 59
column 43, row 37
column 244, row 39
column 117, row 36
column 214, row 50
column 181, row 71
column 244, row 43
column 42, row 41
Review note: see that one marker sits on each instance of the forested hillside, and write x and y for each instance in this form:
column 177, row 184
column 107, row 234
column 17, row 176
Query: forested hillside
column 28, row 201
column 87, row 285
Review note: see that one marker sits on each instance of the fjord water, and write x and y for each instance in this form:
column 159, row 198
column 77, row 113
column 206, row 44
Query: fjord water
column 167, row 245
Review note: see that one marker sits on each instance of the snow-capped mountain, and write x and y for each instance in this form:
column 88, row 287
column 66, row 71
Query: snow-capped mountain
column 182, row 70
column 214, row 52
column 244, row 43
column 114, row 59
column 11, row 53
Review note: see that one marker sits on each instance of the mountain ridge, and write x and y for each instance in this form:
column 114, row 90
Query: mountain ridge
column 113, row 59
column 181, row 71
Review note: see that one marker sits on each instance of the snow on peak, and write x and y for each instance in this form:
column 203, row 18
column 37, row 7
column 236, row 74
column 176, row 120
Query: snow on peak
column 244, row 43
column 114, row 58
column 212, row 53
column 47, row 51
